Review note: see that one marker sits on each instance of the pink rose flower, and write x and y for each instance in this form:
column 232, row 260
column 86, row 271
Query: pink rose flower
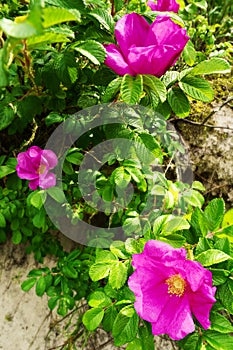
column 164, row 5
column 169, row 289
column 34, row 165
column 144, row 48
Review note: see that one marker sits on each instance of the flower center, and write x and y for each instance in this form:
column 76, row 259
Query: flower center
column 41, row 169
column 176, row 285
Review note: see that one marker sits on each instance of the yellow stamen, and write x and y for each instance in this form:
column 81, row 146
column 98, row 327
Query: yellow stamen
column 176, row 285
column 41, row 169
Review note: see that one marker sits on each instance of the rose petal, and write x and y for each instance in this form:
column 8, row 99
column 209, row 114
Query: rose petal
column 116, row 61
column 163, row 31
column 175, row 319
column 131, row 30
column 203, row 297
column 152, row 60
column 158, row 251
column 50, row 158
column 164, row 5
column 47, row 181
column 33, row 184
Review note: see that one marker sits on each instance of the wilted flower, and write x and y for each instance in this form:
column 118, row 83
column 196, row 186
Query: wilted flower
column 34, row 165
column 169, row 289
column 163, row 5
column 143, row 48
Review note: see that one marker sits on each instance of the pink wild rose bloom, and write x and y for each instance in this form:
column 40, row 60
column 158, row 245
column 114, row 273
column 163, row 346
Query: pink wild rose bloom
column 144, row 48
column 34, row 165
column 163, row 5
column 169, row 289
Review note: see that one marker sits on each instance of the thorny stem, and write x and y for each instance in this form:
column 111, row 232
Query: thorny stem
column 69, row 314
column 34, row 130
column 28, row 66
column 113, row 8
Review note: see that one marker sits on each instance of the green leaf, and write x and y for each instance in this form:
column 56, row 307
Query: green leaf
column 191, row 342
column 134, row 246
column 194, row 198
column 52, row 302
column 146, row 337
column 225, row 292
column 214, row 65
column 3, row 237
column 57, row 194
column 21, row 30
column 136, row 344
column 92, row 318
column 131, row 88
column 2, row 220
column 118, row 249
column 226, row 232
column 105, row 256
column 69, row 271
column 212, row 257
column 150, row 142
column 121, row 178
column 52, row 118
column 170, row 78
column 40, row 286
column 39, row 41
column 220, row 323
column 28, row 284
column 38, row 198
column 156, row 85
column 125, row 326
column 118, row 275
column 6, row 116
column 178, row 102
column 197, row 185
column 66, row 67
column 112, row 90
column 228, row 218
column 109, row 318
column 56, row 15
column 218, row 341
column 219, row 276
column 197, row 88
column 107, row 193
column 74, row 157
column 214, row 213
column 189, row 54
column 99, row 270
column 63, row 307
column 91, row 49
column 132, row 225
column 104, row 18
column 39, row 219
column 174, row 240
column 175, row 224
column 16, row 237
column 3, row 71
column 99, row 299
